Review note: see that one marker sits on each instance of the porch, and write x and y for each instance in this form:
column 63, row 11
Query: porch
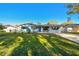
column 48, row 28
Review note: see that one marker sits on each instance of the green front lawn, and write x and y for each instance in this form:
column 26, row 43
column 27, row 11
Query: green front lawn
column 23, row 44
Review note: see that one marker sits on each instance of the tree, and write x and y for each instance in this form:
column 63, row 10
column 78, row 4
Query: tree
column 66, row 23
column 73, row 8
column 69, row 21
column 38, row 23
column 2, row 27
column 52, row 22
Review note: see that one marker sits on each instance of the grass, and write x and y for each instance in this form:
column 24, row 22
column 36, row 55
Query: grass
column 35, row 44
column 72, row 32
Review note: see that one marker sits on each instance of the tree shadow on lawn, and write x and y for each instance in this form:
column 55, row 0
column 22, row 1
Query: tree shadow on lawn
column 63, row 41
column 57, row 50
column 66, row 44
column 30, row 47
column 58, row 43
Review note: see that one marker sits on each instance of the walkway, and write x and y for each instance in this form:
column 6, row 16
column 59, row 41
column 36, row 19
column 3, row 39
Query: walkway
column 72, row 37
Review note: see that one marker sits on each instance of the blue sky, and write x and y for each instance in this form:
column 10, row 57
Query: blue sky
column 30, row 12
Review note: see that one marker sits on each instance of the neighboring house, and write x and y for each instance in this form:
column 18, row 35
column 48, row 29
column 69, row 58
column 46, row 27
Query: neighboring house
column 76, row 29
column 71, row 28
column 19, row 28
column 9, row 28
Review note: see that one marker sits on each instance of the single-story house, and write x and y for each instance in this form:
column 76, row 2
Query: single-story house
column 10, row 28
column 46, row 28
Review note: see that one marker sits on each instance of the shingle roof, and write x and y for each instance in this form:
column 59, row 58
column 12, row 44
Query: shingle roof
column 72, row 25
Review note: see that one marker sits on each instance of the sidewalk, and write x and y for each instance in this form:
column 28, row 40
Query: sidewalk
column 72, row 37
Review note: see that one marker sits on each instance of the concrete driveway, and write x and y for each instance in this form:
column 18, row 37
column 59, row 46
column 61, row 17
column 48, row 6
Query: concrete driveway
column 72, row 37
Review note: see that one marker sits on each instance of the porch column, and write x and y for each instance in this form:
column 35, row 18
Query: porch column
column 50, row 29
column 41, row 29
